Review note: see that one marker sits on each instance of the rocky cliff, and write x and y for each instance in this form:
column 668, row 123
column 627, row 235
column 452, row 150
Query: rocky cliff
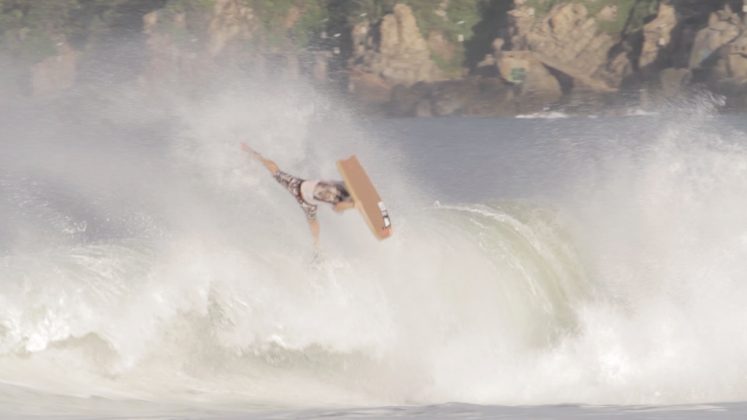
column 405, row 57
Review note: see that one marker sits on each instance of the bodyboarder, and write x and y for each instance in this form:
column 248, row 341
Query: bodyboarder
column 308, row 192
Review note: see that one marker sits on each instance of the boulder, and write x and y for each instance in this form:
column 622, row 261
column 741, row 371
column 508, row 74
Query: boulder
column 232, row 21
column 441, row 47
column 523, row 69
column 219, row 41
column 165, row 59
column 452, row 97
column 658, row 35
column 369, row 88
column 719, row 54
column 320, row 68
column 569, row 40
column 737, row 58
column 723, row 28
column 56, row 73
column 400, row 36
column 394, row 50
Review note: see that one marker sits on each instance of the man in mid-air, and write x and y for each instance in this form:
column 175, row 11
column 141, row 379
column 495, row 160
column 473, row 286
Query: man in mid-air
column 307, row 192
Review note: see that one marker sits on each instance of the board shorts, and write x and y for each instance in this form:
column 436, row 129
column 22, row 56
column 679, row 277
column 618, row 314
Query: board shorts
column 293, row 185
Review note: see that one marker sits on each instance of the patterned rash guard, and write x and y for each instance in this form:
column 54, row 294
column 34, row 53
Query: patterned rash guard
column 293, row 185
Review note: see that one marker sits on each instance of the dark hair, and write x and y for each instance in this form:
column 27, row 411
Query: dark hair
column 331, row 192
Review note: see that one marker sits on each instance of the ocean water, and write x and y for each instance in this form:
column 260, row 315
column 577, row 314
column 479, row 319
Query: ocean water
column 539, row 267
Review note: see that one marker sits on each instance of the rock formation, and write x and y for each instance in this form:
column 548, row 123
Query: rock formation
column 658, row 35
column 402, row 57
column 179, row 53
column 55, row 73
column 232, row 21
column 569, row 40
column 736, row 58
column 529, row 74
column 719, row 56
column 389, row 53
column 723, row 28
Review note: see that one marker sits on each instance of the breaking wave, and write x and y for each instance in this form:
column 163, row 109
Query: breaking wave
column 143, row 256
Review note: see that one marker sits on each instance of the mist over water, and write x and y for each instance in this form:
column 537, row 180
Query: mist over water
column 576, row 260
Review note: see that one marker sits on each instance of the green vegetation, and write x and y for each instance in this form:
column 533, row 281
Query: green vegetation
column 310, row 25
column 633, row 13
column 543, row 7
column 450, row 67
column 455, row 21
column 351, row 12
column 188, row 6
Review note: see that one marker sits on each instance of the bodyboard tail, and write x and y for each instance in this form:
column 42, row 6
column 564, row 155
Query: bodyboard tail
column 366, row 198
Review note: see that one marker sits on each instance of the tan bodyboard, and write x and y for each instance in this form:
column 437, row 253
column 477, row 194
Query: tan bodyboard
column 367, row 199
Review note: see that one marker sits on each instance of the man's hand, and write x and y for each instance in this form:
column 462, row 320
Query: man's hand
column 245, row 147
column 270, row 165
column 344, row 205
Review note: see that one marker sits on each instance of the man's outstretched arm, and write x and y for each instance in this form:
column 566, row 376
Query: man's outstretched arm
column 270, row 165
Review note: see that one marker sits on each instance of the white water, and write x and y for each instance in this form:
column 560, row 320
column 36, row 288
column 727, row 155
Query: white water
column 570, row 261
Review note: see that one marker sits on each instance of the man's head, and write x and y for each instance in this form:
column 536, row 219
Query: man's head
column 331, row 192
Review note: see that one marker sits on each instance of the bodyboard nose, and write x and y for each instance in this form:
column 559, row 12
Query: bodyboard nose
column 367, row 199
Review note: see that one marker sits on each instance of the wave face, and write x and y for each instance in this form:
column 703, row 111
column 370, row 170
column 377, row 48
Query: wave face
column 533, row 262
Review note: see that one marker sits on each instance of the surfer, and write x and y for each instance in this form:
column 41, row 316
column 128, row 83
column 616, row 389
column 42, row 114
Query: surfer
column 307, row 192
